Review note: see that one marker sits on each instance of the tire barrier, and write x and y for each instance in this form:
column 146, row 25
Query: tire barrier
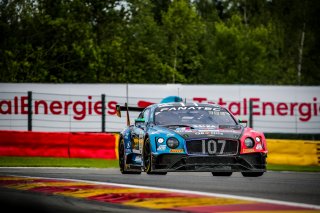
column 57, row 144
column 293, row 152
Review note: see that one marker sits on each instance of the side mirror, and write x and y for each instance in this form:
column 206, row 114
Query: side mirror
column 139, row 122
column 245, row 122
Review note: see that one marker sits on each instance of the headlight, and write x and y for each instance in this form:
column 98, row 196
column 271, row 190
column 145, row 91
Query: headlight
column 160, row 140
column 258, row 139
column 249, row 142
column 172, row 143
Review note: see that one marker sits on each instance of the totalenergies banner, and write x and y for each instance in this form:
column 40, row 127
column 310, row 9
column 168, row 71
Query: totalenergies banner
column 78, row 107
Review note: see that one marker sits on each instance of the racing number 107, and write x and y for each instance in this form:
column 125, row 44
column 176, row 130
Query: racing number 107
column 213, row 147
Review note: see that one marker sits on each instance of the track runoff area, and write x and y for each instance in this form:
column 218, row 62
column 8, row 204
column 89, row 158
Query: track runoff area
column 150, row 198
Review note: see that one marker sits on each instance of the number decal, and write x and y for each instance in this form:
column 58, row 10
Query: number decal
column 223, row 142
column 203, row 146
column 213, row 146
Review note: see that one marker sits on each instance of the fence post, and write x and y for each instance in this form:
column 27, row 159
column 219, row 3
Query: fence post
column 250, row 114
column 103, row 120
column 29, row 111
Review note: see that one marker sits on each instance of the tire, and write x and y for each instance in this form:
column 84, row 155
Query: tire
column 225, row 174
column 122, row 159
column 147, row 159
column 252, row 174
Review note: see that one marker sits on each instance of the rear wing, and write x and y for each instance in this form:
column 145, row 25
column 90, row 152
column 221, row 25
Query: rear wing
column 127, row 109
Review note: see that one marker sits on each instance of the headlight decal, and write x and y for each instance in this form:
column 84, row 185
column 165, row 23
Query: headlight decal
column 172, row 143
column 249, row 142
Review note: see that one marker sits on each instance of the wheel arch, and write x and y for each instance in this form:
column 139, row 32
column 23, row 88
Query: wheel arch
column 152, row 141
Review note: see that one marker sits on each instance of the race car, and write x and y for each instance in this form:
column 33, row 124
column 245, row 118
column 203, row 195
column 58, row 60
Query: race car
column 189, row 137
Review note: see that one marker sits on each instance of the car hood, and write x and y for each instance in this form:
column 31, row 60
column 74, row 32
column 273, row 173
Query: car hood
column 208, row 131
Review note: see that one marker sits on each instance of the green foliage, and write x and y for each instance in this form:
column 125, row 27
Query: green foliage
column 183, row 29
column 244, row 55
column 153, row 41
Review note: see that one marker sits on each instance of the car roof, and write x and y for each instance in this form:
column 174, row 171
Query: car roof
column 182, row 104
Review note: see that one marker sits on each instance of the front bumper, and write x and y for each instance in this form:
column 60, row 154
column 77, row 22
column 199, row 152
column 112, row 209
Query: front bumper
column 254, row 162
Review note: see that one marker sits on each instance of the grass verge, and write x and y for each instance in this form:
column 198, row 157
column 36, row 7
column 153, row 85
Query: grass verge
column 103, row 163
column 293, row 168
column 57, row 162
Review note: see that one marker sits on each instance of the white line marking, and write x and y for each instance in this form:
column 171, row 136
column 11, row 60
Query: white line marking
column 262, row 200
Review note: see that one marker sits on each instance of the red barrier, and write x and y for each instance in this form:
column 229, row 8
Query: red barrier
column 57, row 144
column 92, row 145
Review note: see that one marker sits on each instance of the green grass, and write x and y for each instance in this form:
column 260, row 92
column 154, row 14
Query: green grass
column 57, row 162
column 293, row 168
column 102, row 163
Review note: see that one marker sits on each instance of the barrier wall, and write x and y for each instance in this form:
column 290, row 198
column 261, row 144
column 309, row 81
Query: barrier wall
column 104, row 145
column 57, row 144
column 293, row 152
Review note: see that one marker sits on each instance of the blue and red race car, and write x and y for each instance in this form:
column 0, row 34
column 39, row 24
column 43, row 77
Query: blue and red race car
column 190, row 137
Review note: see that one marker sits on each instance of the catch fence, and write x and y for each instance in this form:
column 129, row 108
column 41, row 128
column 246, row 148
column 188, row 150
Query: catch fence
column 35, row 111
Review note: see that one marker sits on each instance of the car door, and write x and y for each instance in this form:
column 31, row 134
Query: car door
column 139, row 131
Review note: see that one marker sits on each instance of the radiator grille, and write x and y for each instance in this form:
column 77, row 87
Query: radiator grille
column 212, row 147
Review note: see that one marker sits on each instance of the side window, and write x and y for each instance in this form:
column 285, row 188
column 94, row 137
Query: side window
column 145, row 114
column 141, row 115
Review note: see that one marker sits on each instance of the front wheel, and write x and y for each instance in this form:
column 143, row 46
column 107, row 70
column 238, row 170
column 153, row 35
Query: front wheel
column 252, row 174
column 148, row 161
column 122, row 159
column 225, row 174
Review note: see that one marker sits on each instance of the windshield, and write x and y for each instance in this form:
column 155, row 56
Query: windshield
column 193, row 115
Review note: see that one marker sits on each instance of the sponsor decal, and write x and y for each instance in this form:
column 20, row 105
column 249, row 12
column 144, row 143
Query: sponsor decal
column 128, row 145
column 135, row 143
column 176, row 150
column 208, row 133
column 190, row 108
column 126, row 136
column 161, row 147
column 204, row 126
column 183, row 130
column 141, row 140
column 248, row 150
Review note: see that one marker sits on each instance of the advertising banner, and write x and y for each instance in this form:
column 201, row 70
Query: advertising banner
column 78, row 107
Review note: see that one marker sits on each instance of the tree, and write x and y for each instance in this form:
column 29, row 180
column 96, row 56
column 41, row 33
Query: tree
column 241, row 55
column 184, row 30
column 160, row 41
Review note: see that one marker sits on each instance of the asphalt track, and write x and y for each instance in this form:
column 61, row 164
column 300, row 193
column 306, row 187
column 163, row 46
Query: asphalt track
column 293, row 187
